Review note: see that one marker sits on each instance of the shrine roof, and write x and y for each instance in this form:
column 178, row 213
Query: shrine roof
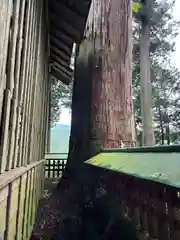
column 67, row 21
column 159, row 164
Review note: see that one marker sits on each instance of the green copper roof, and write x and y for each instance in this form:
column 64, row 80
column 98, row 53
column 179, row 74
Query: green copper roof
column 157, row 166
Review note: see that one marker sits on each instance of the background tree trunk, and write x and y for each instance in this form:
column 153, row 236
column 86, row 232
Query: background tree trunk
column 146, row 86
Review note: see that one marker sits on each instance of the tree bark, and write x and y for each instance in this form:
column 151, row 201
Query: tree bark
column 146, row 86
column 81, row 106
column 112, row 111
column 102, row 112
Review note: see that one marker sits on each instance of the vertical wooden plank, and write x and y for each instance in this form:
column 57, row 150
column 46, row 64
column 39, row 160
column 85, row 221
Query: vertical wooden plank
column 49, row 168
column 12, row 127
column 15, row 116
column 32, row 85
column 12, row 209
column 17, row 134
column 3, row 11
column 12, row 46
column 33, row 213
column 58, row 167
column 25, row 210
column 5, row 129
column 30, row 206
column 21, row 206
column 37, row 186
column 5, row 14
column 54, row 168
column 63, row 167
column 3, row 209
column 20, row 39
column 32, row 135
column 42, row 177
column 22, row 72
column 28, row 87
column 5, row 109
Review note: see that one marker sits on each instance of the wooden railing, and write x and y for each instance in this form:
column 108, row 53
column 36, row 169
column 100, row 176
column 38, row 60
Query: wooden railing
column 55, row 164
column 20, row 191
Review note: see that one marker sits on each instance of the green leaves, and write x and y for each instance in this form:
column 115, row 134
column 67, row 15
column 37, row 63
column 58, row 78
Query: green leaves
column 136, row 6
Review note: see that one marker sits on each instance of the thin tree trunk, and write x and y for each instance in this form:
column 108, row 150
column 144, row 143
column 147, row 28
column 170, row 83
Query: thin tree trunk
column 167, row 128
column 161, row 126
column 168, row 134
column 146, row 86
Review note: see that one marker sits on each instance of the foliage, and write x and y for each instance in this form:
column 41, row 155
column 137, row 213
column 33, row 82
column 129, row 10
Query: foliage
column 136, row 6
column 60, row 97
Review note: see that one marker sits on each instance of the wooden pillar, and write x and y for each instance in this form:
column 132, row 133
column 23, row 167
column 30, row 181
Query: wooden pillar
column 48, row 122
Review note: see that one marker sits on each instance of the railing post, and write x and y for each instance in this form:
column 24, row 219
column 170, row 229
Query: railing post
column 55, row 165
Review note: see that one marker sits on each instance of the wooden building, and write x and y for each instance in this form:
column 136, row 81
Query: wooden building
column 36, row 41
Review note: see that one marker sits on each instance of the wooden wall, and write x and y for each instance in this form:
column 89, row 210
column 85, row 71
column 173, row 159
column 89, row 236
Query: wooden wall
column 24, row 84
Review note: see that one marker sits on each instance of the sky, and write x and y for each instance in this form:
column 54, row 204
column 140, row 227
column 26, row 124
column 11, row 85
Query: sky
column 65, row 117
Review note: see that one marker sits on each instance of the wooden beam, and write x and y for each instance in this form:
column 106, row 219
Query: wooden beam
column 73, row 33
column 71, row 17
column 67, row 50
column 58, row 33
column 54, row 49
column 79, row 7
column 68, row 71
column 59, row 28
column 60, row 76
column 56, row 58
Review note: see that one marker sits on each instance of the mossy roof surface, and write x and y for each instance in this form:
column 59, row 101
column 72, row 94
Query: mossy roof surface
column 159, row 167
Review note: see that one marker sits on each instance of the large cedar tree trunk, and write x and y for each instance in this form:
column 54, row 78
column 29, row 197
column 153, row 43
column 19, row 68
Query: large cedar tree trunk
column 102, row 112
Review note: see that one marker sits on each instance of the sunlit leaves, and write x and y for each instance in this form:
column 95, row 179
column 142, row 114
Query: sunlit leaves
column 136, row 6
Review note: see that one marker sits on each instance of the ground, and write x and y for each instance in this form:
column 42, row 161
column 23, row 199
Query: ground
column 74, row 213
